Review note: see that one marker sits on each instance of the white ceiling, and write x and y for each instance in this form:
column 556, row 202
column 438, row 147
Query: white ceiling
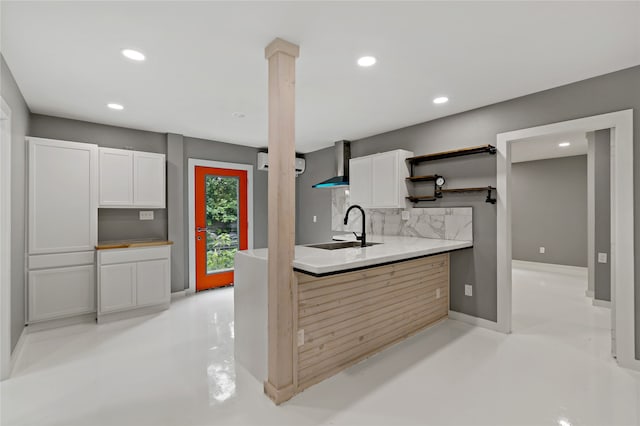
column 206, row 60
column 547, row 147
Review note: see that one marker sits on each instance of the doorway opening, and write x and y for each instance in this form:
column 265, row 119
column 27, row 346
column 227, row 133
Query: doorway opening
column 220, row 219
column 560, row 192
column 622, row 224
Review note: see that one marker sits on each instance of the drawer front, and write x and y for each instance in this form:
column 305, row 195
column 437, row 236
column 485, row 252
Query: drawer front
column 61, row 292
column 61, row 259
column 128, row 255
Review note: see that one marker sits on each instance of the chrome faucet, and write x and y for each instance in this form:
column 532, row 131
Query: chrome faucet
column 363, row 236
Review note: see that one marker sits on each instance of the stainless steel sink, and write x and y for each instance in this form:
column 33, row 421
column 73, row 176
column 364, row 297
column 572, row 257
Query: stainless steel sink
column 340, row 245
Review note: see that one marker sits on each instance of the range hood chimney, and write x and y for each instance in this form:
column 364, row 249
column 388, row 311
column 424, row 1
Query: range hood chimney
column 343, row 155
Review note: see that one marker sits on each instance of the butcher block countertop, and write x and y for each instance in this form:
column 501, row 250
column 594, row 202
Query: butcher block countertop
column 106, row 245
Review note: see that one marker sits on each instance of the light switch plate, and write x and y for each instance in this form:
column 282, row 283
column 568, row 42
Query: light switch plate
column 468, row 290
column 602, row 257
column 146, row 215
column 405, row 215
column 437, row 293
column 542, row 250
column 315, row 219
column 300, row 337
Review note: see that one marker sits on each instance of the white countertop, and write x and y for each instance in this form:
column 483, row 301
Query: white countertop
column 393, row 248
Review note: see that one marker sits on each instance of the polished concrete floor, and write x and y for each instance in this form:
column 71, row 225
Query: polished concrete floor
column 177, row 368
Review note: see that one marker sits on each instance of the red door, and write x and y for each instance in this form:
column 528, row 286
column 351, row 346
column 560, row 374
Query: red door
column 221, row 224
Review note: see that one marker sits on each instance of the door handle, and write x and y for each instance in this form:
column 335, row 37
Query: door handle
column 201, row 229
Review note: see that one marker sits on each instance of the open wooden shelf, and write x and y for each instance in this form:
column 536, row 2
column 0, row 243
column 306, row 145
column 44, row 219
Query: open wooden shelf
column 481, row 188
column 423, row 178
column 422, row 198
column 489, row 198
column 454, row 153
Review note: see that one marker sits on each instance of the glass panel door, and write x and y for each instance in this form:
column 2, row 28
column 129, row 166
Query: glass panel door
column 221, row 224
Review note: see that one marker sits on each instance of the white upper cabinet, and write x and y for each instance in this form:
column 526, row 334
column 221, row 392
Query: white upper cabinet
column 360, row 181
column 116, row 178
column 132, row 179
column 148, row 179
column 379, row 180
column 62, row 181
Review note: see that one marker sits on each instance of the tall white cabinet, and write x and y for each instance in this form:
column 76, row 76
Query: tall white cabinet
column 62, row 228
column 379, row 180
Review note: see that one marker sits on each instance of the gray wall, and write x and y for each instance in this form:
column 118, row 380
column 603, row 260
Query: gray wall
column 218, row 151
column 606, row 93
column 602, row 213
column 320, row 165
column 175, row 209
column 19, row 129
column 549, row 209
column 113, row 224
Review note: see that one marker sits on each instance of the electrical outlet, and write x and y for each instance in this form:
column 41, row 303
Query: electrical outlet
column 405, row 215
column 468, row 290
column 542, row 250
column 315, row 219
column 300, row 337
column 437, row 293
column 602, row 257
column 146, row 215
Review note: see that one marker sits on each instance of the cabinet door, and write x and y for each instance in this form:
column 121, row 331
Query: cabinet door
column 117, row 287
column 116, row 177
column 152, row 283
column 384, row 180
column 360, row 181
column 61, row 292
column 148, row 179
column 63, row 196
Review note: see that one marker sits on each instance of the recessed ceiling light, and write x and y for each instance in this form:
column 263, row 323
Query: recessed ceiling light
column 133, row 54
column 239, row 115
column 366, row 61
column 564, row 144
column 441, row 100
column 115, row 106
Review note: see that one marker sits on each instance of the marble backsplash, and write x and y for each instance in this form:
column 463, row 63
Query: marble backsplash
column 445, row 223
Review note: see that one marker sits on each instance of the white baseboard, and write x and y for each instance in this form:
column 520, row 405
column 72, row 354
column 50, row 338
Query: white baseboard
column 178, row 295
column 602, row 303
column 17, row 351
column 133, row 313
column 61, row 322
column 480, row 322
column 589, row 293
column 551, row 267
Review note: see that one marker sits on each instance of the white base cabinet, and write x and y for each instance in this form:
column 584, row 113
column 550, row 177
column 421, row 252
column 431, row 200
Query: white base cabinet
column 60, row 285
column 61, row 292
column 133, row 278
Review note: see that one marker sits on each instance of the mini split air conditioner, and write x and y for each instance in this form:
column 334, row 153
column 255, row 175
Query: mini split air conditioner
column 263, row 163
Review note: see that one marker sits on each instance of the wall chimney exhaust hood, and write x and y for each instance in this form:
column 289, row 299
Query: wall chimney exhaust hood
column 343, row 155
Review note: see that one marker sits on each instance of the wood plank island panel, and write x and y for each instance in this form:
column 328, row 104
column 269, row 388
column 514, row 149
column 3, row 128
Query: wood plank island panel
column 346, row 318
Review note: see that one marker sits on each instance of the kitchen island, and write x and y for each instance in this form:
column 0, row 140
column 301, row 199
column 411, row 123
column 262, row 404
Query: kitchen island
column 349, row 303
